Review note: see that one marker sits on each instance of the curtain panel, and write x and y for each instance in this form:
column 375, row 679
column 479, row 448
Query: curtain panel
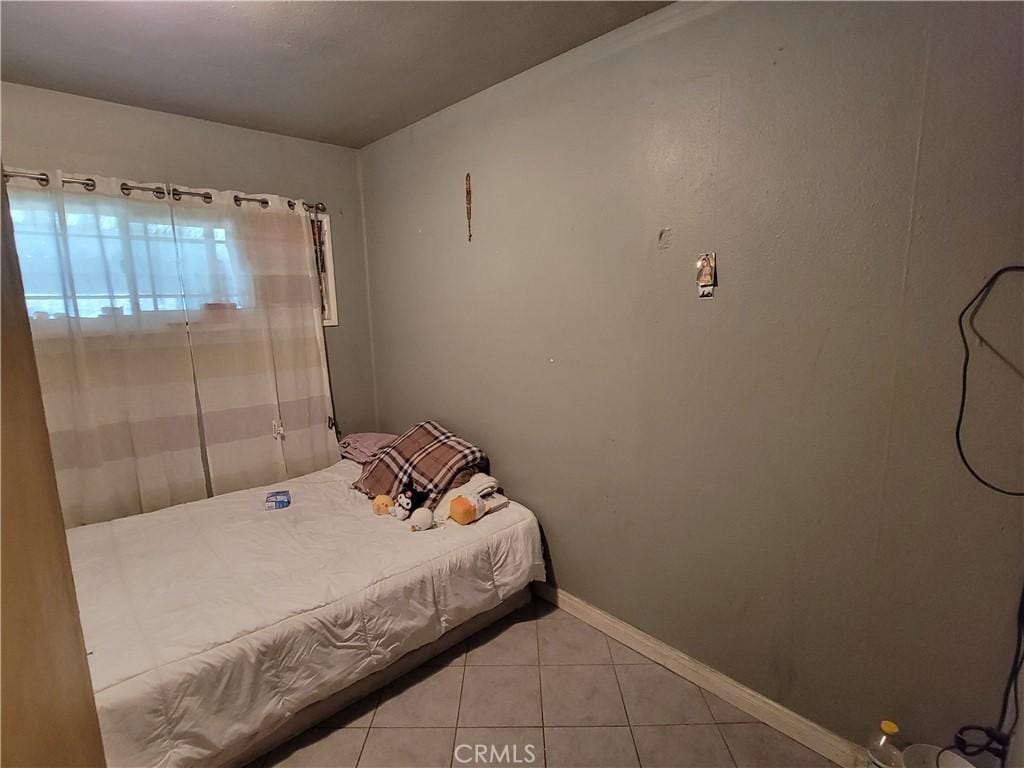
column 178, row 339
column 259, row 353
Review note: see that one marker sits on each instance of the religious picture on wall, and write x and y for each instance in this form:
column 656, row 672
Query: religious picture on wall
column 706, row 276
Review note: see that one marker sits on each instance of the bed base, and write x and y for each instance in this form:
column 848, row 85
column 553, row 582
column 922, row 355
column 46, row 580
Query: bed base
column 306, row 718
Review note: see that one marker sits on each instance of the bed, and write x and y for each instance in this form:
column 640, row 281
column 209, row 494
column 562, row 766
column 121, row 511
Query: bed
column 211, row 626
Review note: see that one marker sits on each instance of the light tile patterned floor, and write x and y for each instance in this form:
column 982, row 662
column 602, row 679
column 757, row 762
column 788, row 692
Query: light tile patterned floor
column 542, row 688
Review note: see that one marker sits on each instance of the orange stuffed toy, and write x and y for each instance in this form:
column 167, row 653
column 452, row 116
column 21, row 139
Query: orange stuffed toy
column 467, row 509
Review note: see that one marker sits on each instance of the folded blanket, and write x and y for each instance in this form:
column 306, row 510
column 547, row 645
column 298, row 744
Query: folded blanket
column 479, row 484
column 428, row 458
column 364, row 446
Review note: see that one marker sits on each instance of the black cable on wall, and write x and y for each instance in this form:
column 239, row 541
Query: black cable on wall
column 974, row 740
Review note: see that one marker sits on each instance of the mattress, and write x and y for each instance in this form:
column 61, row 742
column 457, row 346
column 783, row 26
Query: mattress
column 210, row 623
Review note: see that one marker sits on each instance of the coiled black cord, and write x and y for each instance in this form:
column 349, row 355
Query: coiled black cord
column 995, row 741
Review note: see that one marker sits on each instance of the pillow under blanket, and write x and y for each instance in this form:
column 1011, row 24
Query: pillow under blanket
column 427, row 458
column 364, row 446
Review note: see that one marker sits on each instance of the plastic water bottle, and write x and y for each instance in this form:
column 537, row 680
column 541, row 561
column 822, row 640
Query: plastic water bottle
column 884, row 749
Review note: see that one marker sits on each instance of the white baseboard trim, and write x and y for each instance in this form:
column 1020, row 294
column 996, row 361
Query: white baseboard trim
column 811, row 735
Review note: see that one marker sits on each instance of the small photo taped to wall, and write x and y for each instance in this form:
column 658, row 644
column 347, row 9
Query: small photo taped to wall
column 707, row 277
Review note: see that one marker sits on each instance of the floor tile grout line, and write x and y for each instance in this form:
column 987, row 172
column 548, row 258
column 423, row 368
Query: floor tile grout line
column 622, row 698
column 366, row 736
column 718, row 729
column 540, row 684
column 592, row 664
column 455, row 734
column 726, row 742
column 508, row 727
column 362, row 746
column 458, row 717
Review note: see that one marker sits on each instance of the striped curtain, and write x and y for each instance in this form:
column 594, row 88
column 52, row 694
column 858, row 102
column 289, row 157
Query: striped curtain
column 103, row 293
column 178, row 339
column 259, row 355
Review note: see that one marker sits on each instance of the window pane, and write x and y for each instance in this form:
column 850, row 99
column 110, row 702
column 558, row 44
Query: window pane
column 40, row 263
column 119, row 260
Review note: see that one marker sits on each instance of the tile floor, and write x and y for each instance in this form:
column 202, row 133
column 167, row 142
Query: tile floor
column 541, row 688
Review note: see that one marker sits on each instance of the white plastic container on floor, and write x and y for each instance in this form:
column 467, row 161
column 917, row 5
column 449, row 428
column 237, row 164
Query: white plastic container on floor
column 884, row 750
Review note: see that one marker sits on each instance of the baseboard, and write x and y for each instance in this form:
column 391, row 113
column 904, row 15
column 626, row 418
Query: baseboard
column 811, row 735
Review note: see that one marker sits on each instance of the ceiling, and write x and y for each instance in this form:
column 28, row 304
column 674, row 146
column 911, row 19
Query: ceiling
column 341, row 72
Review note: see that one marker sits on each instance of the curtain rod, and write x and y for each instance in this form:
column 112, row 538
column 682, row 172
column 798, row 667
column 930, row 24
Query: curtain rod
column 159, row 192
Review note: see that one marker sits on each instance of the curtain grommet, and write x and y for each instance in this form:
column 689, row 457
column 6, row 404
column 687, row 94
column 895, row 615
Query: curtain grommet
column 158, row 192
column 264, row 203
column 178, row 194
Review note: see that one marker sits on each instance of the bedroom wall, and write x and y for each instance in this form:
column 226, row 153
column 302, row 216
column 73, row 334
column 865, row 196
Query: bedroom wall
column 768, row 480
column 49, row 129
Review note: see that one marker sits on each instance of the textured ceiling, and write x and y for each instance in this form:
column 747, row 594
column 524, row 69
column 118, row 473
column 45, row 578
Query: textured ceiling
column 341, row 72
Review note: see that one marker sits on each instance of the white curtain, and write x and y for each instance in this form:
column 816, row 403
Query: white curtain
column 179, row 342
column 116, row 375
column 259, row 353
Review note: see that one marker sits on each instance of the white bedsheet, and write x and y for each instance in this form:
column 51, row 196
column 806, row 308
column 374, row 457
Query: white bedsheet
column 210, row 622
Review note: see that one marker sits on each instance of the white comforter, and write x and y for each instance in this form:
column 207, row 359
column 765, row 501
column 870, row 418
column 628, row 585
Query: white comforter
column 211, row 622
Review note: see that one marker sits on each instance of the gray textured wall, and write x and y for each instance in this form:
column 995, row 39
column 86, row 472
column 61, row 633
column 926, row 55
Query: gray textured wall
column 48, row 129
column 767, row 481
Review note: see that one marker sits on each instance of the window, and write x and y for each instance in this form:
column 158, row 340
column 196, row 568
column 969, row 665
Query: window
column 122, row 264
column 321, row 226
column 92, row 255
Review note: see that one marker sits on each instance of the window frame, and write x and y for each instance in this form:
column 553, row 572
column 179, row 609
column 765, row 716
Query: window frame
column 330, row 317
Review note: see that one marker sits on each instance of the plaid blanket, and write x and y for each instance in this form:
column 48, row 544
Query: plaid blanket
column 428, row 459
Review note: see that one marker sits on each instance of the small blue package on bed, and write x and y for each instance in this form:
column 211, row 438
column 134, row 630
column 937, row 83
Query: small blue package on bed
column 278, row 499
